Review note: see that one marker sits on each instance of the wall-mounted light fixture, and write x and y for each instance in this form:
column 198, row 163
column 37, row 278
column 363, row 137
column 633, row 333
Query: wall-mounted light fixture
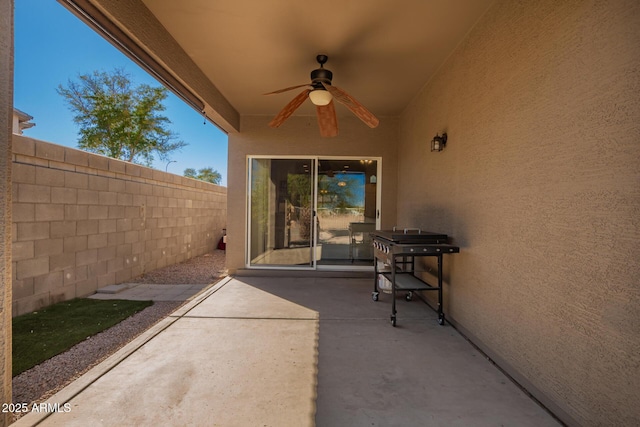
column 438, row 142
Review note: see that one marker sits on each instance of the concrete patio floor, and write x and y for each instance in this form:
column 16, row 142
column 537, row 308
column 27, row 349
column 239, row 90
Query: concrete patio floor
column 274, row 351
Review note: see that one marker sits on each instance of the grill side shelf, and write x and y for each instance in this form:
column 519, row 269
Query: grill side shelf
column 406, row 281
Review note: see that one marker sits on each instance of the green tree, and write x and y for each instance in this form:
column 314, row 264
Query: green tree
column 119, row 120
column 205, row 174
column 299, row 192
column 191, row 173
column 337, row 192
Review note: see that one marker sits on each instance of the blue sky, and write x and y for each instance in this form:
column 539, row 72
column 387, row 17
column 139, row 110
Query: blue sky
column 53, row 46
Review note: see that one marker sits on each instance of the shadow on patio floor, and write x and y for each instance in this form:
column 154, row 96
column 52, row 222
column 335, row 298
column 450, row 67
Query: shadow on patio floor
column 292, row 352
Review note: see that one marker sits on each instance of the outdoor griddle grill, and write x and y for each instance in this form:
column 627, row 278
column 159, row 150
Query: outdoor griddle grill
column 398, row 249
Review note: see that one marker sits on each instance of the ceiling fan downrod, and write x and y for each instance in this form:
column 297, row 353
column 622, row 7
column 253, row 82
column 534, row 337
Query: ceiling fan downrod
column 321, row 75
column 322, row 59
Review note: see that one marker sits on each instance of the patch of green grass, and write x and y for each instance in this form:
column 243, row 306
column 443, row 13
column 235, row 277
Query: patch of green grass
column 40, row 335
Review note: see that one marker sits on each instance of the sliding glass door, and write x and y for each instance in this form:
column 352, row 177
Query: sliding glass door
column 281, row 212
column 347, row 210
column 308, row 212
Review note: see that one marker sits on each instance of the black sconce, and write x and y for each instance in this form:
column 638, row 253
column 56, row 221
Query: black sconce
column 438, row 142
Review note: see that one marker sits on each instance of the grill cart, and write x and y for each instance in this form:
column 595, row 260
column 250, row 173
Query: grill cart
column 398, row 250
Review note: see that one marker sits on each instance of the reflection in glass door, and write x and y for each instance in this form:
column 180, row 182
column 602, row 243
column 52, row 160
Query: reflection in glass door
column 281, row 212
column 347, row 211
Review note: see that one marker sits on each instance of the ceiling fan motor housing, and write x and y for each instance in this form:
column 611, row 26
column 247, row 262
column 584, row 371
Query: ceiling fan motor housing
column 321, row 75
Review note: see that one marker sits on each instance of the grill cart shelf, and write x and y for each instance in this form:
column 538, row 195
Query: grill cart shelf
column 398, row 250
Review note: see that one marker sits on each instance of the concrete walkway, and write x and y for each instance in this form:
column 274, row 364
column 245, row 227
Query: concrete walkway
column 258, row 351
column 148, row 292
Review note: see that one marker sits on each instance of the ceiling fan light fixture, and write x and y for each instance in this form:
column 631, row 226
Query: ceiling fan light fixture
column 322, row 92
column 320, row 97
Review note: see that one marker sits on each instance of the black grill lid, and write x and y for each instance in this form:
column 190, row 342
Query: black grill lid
column 414, row 236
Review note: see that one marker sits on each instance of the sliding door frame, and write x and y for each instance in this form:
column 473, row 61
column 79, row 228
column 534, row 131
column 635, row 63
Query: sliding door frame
column 314, row 230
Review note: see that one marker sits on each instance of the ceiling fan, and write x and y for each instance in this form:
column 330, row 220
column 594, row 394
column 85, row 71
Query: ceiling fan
column 321, row 93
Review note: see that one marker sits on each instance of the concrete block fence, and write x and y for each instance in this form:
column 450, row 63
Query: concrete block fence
column 82, row 221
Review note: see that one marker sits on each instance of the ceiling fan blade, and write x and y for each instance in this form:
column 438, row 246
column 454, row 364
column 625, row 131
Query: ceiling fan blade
column 327, row 120
column 352, row 104
column 287, row 89
column 289, row 109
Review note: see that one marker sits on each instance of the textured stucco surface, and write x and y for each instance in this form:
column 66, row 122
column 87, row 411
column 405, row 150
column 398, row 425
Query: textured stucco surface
column 6, row 114
column 300, row 136
column 84, row 221
column 540, row 186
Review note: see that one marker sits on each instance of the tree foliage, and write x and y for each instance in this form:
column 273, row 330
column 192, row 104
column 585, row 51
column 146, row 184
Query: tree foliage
column 299, row 189
column 119, row 120
column 337, row 192
column 205, row 174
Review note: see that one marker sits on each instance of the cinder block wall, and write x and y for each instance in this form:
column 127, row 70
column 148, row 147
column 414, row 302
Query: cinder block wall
column 83, row 221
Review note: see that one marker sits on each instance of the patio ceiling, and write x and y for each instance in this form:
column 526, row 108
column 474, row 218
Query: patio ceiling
column 381, row 51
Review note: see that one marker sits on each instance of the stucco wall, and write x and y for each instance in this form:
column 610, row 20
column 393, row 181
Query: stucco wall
column 83, row 221
column 6, row 114
column 540, row 186
column 300, row 136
